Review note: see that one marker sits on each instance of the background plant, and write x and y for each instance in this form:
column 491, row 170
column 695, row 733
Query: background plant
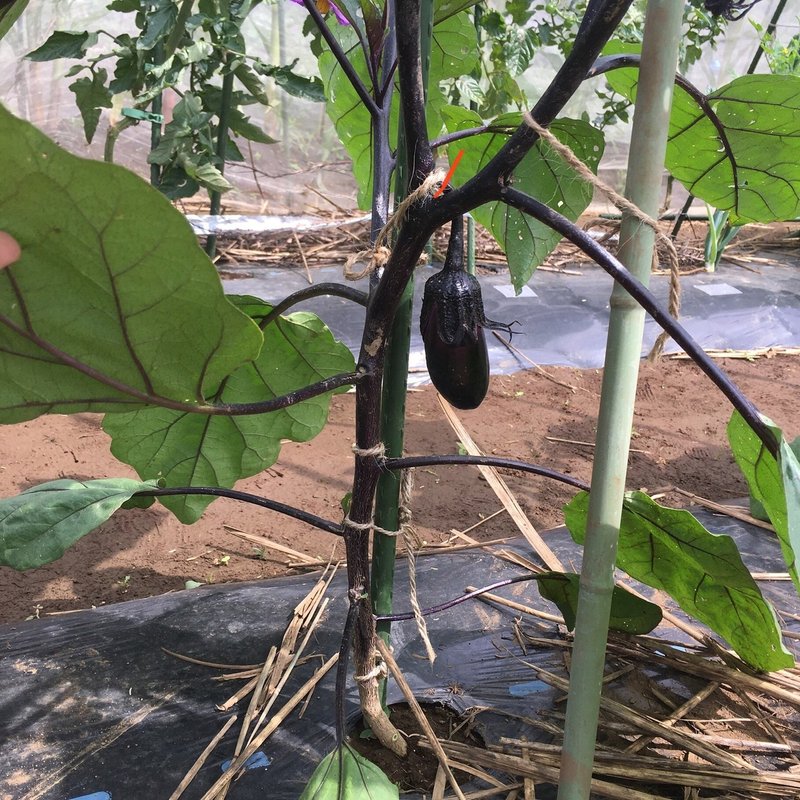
column 195, row 49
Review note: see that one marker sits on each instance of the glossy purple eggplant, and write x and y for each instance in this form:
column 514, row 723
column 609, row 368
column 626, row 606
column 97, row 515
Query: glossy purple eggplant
column 452, row 324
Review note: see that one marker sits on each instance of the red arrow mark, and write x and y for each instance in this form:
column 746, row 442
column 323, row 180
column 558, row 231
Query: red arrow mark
column 449, row 174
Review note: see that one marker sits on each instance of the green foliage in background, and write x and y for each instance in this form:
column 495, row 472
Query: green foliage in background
column 176, row 46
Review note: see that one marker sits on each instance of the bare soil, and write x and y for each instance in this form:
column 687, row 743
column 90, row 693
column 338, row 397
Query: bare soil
column 679, row 440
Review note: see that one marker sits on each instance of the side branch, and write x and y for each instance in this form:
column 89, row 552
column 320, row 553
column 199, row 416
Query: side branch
column 290, row 399
column 317, row 290
column 409, row 462
column 647, row 300
column 341, row 57
column 458, row 600
column 608, row 63
column 244, row 497
column 599, row 23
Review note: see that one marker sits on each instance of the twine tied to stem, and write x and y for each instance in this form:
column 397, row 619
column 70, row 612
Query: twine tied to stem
column 378, row 255
column 623, row 204
column 411, row 543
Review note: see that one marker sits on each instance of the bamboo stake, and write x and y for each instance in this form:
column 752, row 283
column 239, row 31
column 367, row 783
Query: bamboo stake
column 615, row 422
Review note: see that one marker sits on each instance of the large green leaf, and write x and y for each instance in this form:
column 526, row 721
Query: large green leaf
column 629, row 613
column 669, row 549
column 112, row 303
column 453, row 53
column 185, row 449
column 739, row 150
column 774, row 484
column 37, row 526
column 542, row 174
column 346, row 775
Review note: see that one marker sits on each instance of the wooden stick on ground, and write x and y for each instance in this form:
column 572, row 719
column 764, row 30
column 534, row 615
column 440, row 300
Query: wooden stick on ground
column 418, row 713
column 275, row 722
column 501, row 489
column 201, row 759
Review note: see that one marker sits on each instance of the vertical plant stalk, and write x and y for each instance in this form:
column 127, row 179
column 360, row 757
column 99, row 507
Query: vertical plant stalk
column 623, row 354
column 222, row 142
column 393, row 410
column 155, row 130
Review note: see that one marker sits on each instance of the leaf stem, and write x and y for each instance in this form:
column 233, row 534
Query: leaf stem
column 245, row 497
column 458, row 600
column 647, row 300
column 411, row 462
column 339, row 54
column 317, row 290
column 151, row 399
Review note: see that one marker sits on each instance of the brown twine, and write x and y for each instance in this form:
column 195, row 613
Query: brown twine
column 623, row 204
column 379, row 451
column 378, row 255
column 378, row 671
column 412, row 543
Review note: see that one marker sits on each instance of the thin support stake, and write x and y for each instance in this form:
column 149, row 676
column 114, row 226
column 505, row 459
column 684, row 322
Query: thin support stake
column 646, row 163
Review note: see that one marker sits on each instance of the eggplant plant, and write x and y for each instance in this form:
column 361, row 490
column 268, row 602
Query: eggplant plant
column 108, row 305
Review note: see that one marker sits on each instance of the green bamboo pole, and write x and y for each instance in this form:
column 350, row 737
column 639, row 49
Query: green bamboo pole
column 393, row 406
column 623, row 354
column 222, row 142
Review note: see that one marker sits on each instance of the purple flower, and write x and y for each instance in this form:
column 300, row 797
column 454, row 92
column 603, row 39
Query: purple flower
column 324, row 6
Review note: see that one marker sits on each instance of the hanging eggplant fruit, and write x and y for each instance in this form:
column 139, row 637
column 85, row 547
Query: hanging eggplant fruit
column 452, row 324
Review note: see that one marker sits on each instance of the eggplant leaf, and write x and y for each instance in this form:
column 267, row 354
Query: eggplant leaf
column 629, row 613
column 669, row 549
column 774, row 484
column 739, row 148
column 91, row 317
column 187, row 449
column 37, row 526
column 542, row 174
column 346, row 775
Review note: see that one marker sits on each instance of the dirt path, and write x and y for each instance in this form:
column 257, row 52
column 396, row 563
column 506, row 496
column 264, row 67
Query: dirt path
column 679, row 439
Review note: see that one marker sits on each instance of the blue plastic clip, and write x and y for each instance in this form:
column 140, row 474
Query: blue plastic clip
column 94, row 796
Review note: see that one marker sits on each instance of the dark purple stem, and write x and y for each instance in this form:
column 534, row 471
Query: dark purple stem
column 464, row 597
column 244, row 497
column 648, row 302
column 411, row 462
column 341, row 57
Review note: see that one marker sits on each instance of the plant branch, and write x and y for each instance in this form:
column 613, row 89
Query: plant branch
column 253, row 499
column 462, row 598
column 317, row 290
column 341, row 57
column 410, row 462
column 449, row 138
column 292, row 398
column 419, row 156
column 599, row 23
column 647, row 300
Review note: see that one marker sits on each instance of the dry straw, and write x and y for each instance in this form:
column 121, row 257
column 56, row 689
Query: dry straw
column 378, row 255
